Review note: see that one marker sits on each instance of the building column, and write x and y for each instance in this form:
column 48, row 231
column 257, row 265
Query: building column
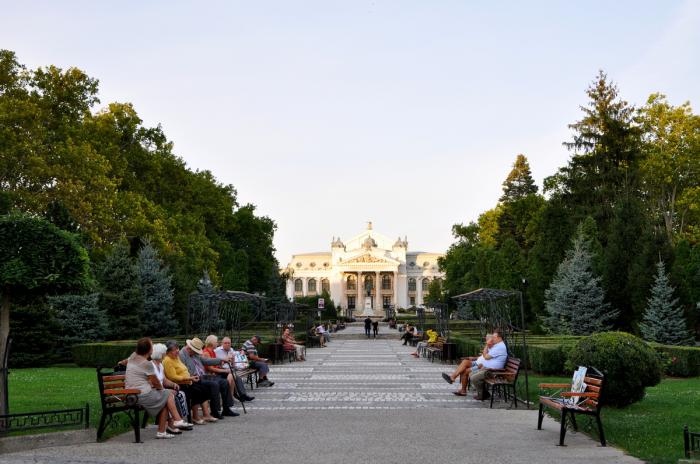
column 419, row 290
column 377, row 292
column 395, row 283
column 360, row 300
column 305, row 286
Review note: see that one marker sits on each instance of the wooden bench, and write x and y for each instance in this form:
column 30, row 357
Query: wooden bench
column 435, row 349
column 413, row 341
column 588, row 402
column 503, row 380
column 116, row 399
column 249, row 375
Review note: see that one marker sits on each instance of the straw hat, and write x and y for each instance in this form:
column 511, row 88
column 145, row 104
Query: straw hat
column 195, row 345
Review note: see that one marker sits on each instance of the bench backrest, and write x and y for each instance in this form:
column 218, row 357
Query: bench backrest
column 594, row 381
column 113, row 392
column 512, row 367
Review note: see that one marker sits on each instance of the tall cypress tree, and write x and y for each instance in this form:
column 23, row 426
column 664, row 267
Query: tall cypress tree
column 574, row 302
column 157, row 290
column 663, row 319
column 120, row 294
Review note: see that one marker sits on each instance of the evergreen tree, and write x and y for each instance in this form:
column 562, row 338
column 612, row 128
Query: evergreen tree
column 157, row 290
column 663, row 318
column 80, row 320
column 519, row 182
column 120, row 294
column 574, row 302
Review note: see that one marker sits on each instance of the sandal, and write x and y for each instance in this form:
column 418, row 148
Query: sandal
column 459, row 393
column 198, row 422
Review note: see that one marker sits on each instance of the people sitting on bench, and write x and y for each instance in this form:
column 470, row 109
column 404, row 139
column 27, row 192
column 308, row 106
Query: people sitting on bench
column 221, row 399
column 432, row 338
column 157, row 401
column 180, row 398
column 250, row 347
column 314, row 339
column 493, row 356
column 411, row 332
column 322, row 332
column 235, row 385
column 197, row 393
column 290, row 343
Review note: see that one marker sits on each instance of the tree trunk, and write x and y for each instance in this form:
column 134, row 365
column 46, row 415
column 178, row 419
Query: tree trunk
column 4, row 335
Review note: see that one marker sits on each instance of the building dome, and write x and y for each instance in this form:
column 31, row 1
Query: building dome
column 369, row 243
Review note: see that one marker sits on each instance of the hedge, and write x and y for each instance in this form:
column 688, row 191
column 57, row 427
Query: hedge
column 547, row 355
column 107, row 354
column 679, row 361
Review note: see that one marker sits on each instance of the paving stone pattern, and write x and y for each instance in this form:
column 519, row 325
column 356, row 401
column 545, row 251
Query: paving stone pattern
column 356, row 373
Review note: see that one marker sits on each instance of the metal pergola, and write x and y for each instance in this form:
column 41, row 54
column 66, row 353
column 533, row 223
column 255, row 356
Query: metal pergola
column 226, row 312
column 496, row 309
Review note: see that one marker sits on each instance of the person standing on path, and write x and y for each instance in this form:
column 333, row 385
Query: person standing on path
column 368, row 324
column 375, row 328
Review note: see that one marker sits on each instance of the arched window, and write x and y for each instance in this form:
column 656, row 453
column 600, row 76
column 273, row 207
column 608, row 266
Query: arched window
column 298, row 286
column 352, row 282
column 312, row 286
column 424, row 284
column 386, row 282
column 369, row 283
column 411, row 284
column 325, row 286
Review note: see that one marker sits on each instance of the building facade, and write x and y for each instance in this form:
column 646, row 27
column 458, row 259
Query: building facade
column 368, row 273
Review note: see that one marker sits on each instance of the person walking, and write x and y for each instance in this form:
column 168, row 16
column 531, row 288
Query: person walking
column 368, row 324
column 375, row 328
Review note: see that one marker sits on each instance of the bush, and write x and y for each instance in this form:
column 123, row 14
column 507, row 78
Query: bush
column 547, row 360
column 679, row 361
column 628, row 363
column 105, row 354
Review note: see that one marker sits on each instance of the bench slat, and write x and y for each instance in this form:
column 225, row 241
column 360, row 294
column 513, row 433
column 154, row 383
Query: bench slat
column 121, row 391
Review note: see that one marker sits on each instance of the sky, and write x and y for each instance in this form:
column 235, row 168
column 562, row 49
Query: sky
column 329, row 114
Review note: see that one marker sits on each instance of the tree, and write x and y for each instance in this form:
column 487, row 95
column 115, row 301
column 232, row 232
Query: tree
column 519, row 182
column 120, row 294
column 606, row 151
column 435, row 294
column 663, row 319
column 36, row 258
column 80, row 320
column 157, row 290
column 671, row 165
column 574, row 302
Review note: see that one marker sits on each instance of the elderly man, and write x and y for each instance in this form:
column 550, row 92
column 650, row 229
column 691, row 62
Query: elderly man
column 250, row 347
column 470, row 366
column 494, row 358
column 217, row 386
column 226, row 354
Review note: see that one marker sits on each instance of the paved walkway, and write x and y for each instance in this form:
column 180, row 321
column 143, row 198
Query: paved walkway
column 356, row 401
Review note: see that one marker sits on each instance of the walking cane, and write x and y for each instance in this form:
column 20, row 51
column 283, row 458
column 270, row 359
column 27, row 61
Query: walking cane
column 235, row 387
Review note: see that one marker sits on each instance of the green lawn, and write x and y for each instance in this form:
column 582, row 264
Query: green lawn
column 651, row 429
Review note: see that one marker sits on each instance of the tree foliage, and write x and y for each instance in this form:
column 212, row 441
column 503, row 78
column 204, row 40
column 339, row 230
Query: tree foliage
column 664, row 321
column 156, row 288
column 575, row 301
column 519, row 183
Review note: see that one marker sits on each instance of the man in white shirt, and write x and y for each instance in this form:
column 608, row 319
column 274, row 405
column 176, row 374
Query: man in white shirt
column 495, row 358
column 226, row 353
column 469, row 366
column 321, row 329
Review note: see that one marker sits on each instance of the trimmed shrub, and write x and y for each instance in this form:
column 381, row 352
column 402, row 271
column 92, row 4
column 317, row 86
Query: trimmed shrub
column 105, row 354
column 629, row 365
column 679, row 361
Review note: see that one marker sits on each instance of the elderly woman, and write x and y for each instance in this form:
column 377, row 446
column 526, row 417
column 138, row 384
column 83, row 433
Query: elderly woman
column 176, row 371
column 289, row 344
column 159, row 351
column 158, row 402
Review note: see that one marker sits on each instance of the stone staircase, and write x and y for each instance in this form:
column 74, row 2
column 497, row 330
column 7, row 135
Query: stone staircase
column 356, row 331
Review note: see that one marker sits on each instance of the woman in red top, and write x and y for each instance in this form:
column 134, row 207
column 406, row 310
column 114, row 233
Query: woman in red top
column 289, row 344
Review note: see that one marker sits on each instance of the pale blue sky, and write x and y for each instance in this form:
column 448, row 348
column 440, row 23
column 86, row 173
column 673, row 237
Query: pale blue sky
column 328, row 114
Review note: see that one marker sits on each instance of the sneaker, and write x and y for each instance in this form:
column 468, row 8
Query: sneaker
column 164, row 435
column 264, row 383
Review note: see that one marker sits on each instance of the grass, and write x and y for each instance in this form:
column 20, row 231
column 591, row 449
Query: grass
column 652, row 429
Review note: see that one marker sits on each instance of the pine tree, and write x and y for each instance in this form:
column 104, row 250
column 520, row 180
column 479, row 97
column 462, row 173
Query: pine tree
column 120, row 294
column 80, row 320
column 157, row 290
column 663, row 317
column 574, row 301
column 519, row 182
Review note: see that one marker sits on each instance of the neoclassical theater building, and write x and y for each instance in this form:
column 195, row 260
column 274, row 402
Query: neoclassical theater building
column 367, row 273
